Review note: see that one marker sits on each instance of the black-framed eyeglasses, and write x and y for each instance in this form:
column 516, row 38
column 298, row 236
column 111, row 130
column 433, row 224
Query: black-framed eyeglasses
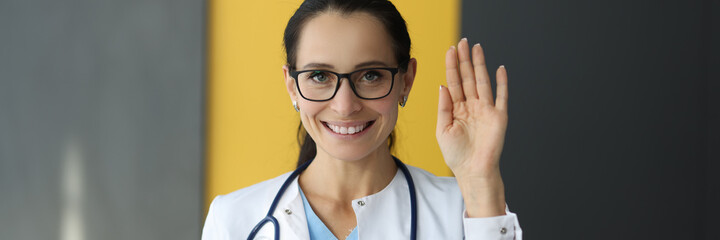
column 322, row 85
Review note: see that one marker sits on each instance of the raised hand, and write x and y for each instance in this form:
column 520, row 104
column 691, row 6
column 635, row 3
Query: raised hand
column 471, row 128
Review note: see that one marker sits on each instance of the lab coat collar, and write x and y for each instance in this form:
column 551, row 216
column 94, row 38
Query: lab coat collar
column 291, row 214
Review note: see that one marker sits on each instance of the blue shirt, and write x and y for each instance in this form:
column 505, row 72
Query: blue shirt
column 317, row 229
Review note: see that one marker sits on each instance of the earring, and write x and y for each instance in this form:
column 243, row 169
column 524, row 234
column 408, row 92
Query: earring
column 297, row 109
column 403, row 102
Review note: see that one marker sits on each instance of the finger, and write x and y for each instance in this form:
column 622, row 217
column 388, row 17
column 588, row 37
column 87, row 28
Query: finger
column 501, row 101
column 466, row 70
column 445, row 108
column 484, row 88
column 453, row 78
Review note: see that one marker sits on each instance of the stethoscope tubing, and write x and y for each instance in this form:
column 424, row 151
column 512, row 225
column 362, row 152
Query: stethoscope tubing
column 269, row 216
column 413, row 199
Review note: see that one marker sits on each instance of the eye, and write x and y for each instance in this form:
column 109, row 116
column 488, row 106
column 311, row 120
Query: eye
column 370, row 76
column 319, row 76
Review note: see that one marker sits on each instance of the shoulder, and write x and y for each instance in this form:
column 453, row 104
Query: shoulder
column 436, row 190
column 428, row 181
column 243, row 208
column 252, row 193
column 257, row 194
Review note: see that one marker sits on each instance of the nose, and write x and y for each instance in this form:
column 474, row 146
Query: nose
column 345, row 102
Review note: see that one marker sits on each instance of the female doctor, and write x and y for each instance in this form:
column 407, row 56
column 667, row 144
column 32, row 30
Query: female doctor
column 348, row 71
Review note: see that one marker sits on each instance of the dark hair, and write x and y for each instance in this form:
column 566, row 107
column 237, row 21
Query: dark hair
column 383, row 10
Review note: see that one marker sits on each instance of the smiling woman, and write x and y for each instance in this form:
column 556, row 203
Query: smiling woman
column 348, row 72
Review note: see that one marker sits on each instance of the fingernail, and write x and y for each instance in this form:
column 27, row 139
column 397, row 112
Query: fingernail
column 477, row 44
column 502, row 66
column 452, row 47
column 463, row 39
column 440, row 88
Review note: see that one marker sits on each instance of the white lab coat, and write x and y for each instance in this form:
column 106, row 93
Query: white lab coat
column 383, row 215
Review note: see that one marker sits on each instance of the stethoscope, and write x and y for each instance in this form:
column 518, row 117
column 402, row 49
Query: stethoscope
column 269, row 217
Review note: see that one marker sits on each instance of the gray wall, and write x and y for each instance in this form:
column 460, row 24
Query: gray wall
column 101, row 119
column 614, row 126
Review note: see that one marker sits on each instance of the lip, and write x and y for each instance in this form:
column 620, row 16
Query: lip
column 367, row 125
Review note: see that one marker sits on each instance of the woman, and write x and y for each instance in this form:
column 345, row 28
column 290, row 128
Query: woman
column 348, row 71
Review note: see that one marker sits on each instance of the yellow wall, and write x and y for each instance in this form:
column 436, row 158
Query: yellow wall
column 251, row 126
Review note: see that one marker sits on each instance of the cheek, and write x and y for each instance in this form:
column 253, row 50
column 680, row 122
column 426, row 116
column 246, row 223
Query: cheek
column 388, row 109
column 388, row 106
column 308, row 114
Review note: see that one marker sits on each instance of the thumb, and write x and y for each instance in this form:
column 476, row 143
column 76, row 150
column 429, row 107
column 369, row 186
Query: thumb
column 445, row 108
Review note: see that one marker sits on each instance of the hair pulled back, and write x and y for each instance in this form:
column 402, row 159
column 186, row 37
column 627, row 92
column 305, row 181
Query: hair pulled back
column 382, row 10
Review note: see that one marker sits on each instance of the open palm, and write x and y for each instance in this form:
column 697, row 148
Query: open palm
column 471, row 125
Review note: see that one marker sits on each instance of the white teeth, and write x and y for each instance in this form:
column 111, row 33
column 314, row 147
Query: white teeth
column 346, row 130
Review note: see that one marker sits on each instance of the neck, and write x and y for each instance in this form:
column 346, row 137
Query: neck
column 344, row 180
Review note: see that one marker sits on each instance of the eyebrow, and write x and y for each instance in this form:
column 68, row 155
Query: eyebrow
column 360, row 65
column 371, row 63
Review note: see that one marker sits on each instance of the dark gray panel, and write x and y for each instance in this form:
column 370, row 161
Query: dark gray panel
column 608, row 133
column 101, row 119
column 712, row 15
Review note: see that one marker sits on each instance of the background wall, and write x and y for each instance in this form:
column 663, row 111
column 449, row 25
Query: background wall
column 613, row 130
column 101, row 119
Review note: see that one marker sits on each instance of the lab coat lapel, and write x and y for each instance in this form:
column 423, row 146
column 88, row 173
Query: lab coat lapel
column 386, row 214
column 291, row 214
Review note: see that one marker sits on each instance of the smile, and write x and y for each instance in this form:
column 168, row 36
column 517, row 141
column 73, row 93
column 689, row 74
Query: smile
column 348, row 129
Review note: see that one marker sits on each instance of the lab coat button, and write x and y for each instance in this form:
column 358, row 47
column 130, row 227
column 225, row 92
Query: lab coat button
column 288, row 211
column 361, row 203
column 503, row 230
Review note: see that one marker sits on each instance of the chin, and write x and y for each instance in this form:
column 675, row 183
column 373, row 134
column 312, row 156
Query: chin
column 349, row 153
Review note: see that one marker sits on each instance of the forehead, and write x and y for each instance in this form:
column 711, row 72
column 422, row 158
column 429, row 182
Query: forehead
column 344, row 41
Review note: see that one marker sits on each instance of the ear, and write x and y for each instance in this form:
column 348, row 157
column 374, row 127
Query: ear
column 409, row 77
column 290, row 83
